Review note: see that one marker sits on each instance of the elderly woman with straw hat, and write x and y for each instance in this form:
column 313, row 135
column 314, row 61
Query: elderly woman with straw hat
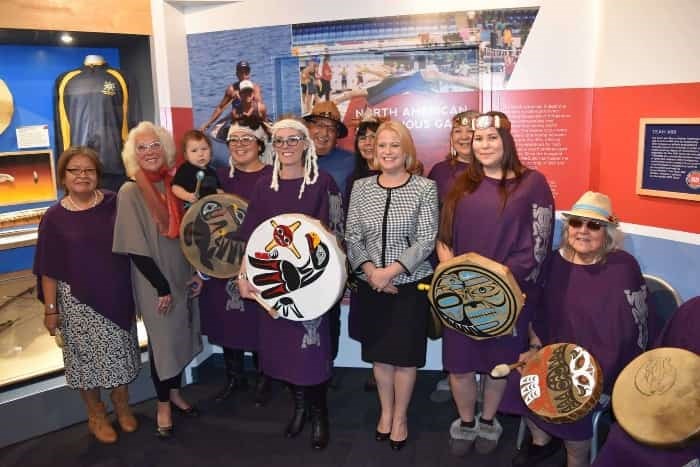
column 596, row 298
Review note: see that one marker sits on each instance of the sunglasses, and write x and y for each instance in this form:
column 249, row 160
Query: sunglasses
column 463, row 119
column 577, row 223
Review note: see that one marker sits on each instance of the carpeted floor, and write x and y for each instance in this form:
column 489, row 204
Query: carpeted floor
column 236, row 433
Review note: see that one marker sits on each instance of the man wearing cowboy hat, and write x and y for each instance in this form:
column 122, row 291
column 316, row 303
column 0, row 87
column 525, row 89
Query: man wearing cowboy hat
column 325, row 127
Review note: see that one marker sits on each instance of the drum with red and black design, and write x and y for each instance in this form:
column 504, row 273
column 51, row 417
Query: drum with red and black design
column 561, row 383
column 208, row 234
column 297, row 265
column 656, row 398
column 476, row 296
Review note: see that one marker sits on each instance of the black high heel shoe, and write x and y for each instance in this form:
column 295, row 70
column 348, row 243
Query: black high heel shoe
column 189, row 412
column 379, row 436
column 397, row 445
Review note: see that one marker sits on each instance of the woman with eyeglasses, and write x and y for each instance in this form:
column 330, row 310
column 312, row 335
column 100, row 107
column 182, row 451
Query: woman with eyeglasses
column 147, row 229
column 296, row 186
column 504, row 211
column 227, row 319
column 391, row 227
column 596, row 298
column 86, row 290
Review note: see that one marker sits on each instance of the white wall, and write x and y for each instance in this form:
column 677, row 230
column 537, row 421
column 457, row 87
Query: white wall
column 648, row 42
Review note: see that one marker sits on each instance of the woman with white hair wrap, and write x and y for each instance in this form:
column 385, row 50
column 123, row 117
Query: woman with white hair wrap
column 227, row 319
column 287, row 350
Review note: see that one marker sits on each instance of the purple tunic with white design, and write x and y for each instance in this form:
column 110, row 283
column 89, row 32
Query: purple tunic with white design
column 226, row 318
column 297, row 352
column 519, row 236
column 601, row 307
column 444, row 173
column 683, row 331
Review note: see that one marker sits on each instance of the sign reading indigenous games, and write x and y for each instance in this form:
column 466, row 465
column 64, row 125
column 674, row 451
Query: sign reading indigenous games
column 669, row 158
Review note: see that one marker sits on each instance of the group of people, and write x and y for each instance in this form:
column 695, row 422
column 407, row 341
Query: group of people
column 102, row 258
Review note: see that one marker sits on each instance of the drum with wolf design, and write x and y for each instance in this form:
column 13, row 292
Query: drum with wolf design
column 208, row 234
column 297, row 265
column 561, row 383
column 476, row 296
column 656, row 398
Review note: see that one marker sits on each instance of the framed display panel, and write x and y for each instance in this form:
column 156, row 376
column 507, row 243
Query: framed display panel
column 668, row 161
column 27, row 351
column 27, row 177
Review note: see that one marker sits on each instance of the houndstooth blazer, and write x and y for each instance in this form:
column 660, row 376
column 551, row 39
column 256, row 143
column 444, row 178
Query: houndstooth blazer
column 392, row 224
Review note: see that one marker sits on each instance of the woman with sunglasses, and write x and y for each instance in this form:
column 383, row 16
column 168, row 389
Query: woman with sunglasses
column 228, row 320
column 296, row 186
column 596, row 298
column 504, row 211
column 147, row 229
column 86, row 290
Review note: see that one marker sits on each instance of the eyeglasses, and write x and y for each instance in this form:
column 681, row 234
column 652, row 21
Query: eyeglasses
column 485, row 121
column 364, row 138
column 577, row 222
column 76, row 172
column 241, row 141
column 154, row 146
column 290, row 141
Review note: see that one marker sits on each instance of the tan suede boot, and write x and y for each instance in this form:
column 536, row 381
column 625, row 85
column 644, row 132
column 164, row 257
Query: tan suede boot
column 98, row 423
column 120, row 399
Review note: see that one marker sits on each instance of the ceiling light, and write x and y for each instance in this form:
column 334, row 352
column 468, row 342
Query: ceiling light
column 66, row 38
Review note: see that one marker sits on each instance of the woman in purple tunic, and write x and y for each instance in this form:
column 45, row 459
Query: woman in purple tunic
column 682, row 331
column 227, row 319
column 297, row 186
column 503, row 211
column 86, row 292
column 445, row 172
column 595, row 297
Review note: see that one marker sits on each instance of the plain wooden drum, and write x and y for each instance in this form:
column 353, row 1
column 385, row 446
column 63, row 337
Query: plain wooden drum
column 656, row 398
column 561, row 383
column 297, row 265
column 476, row 296
column 208, row 234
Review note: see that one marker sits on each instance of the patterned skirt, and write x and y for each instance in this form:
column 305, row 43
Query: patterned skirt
column 96, row 352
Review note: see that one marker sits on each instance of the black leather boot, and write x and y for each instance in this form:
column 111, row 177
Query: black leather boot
column 262, row 390
column 235, row 381
column 320, row 432
column 296, row 424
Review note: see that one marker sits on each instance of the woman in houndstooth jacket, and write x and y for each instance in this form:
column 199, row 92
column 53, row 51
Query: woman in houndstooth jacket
column 391, row 228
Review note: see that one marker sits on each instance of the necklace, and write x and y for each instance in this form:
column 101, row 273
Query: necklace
column 77, row 208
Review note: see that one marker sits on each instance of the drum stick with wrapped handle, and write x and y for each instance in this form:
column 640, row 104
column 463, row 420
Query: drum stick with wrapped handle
column 200, row 177
column 273, row 314
column 502, row 370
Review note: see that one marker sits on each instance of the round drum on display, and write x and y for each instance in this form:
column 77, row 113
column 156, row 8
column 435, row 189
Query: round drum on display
column 208, row 234
column 297, row 265
column 561, row 383
column 656, row 398
column 476, row 296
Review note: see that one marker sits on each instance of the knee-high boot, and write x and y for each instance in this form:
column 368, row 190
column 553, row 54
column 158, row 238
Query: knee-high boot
column 320, row 431
column 235, row 380
column 262, row 384
column 296, row 424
